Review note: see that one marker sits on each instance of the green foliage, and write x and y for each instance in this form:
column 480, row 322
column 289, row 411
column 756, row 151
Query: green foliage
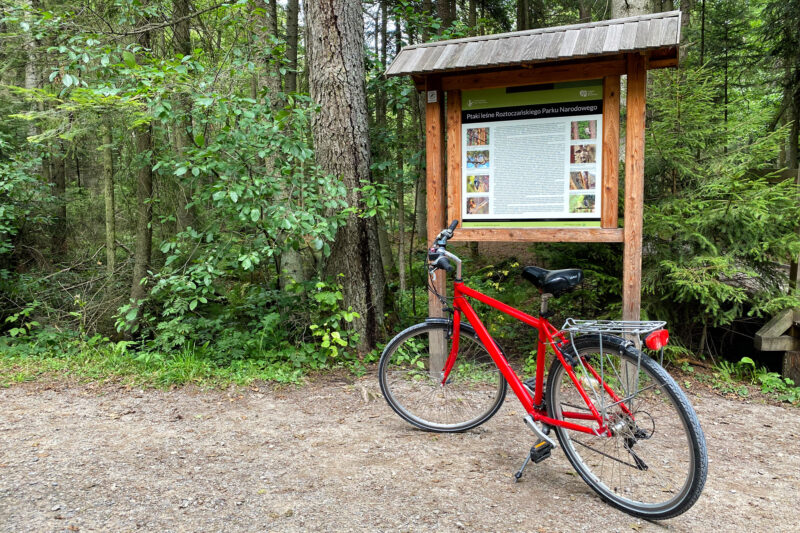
column 717, row 226
column 728, row 377
column 24, row 199
column 97, row 358
column 714, row 224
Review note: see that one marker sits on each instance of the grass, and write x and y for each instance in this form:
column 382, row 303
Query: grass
column 116, row 362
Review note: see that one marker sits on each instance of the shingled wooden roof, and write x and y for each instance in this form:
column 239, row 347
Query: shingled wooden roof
column 658, row 33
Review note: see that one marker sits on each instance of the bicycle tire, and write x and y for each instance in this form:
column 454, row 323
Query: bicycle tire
column 474, row 391
column 664, row 434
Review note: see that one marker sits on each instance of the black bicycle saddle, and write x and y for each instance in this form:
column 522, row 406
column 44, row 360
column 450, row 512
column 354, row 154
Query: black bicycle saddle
column 553, row 281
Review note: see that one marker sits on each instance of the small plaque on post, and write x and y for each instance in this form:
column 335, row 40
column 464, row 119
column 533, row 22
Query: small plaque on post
column 432, row 99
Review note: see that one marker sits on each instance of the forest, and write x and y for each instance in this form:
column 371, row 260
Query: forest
column 183, row 194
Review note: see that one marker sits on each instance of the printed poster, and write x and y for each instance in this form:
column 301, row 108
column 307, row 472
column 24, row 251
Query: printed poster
column 531, row 156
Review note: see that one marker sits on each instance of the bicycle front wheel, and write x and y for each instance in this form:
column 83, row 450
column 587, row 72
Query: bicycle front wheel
column 654, row 464
column 410, row 374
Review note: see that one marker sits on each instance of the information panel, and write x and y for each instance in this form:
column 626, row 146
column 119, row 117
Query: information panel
column 531, row 156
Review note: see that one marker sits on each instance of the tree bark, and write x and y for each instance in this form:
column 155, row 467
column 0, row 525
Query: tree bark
column 291, row 260
column 380, row 119
column 401, row 209
column 584, row 11
column 418, row 112
column 630, row 8
column 523, row 15
column 793, row 161
column 472, row 17
column 144, row 212
column 32, row 80
column 183, row 45
column 687, row 6
column 144, row 207
column 292, row 15
column 108, row 196
column 421, row 199
column 334, row 42
column 443, row 10
column 59, row 181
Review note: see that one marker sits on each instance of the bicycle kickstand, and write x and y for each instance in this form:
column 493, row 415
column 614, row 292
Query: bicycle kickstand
column 539, row 452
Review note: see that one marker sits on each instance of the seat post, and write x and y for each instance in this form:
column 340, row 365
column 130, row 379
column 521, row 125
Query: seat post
column 543, row 311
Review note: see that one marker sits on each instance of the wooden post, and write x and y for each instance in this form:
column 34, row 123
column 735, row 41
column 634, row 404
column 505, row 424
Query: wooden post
column 634, row 188
column 610, row 172
column 435, row 154
column 453, row 156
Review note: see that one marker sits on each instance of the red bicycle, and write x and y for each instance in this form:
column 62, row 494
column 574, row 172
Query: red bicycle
column 622, row 421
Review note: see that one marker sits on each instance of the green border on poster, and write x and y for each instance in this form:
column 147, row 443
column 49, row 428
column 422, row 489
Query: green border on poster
column 533, row 224
column 575, row 91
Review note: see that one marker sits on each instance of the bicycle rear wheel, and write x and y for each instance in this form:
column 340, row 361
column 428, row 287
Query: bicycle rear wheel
column 655, row 464
column 474, row 390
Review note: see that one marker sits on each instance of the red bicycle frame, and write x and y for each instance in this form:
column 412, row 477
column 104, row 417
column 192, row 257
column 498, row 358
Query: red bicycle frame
column 548, row 335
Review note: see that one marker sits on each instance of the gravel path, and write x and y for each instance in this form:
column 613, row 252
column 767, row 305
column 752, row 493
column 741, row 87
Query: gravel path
column 332, row 456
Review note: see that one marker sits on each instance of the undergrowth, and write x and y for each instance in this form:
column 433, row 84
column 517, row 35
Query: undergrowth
column 96, row 358
column 734, row 378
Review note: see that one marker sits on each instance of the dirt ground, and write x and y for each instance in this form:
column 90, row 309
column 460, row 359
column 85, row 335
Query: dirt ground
column 332, row 456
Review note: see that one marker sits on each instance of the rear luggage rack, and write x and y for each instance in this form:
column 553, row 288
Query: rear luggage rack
column 622, row 328
column 630, row 330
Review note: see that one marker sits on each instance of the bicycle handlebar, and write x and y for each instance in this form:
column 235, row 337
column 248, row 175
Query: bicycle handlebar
column 437, row 255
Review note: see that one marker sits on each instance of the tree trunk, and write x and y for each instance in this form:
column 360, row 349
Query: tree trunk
column 420, row 196
column 584, row 11
column 793, row 161
column 401, row 209
column 421, row 207
column 380, row 119
column 292, row 15
column 703, row 34
column 291, row 260
column 630, row 8
column 144, row 207
column 523, row 15
column 272, row 68
column 334, row 42
column 144, row 212
column 427, row 9
column 59, row 177
column 31, row 74
column 108, row 196
column 687, row 6
column 443, row 10
column 472, row 18
column 183, row 45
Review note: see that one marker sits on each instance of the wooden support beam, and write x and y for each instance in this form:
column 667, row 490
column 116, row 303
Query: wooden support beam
column 536, row 74
column 773, row 337
column 634, row 188
column 610, row 172
column 666, row 62
column 538, row 235
column 453, row 156
column 435, row 183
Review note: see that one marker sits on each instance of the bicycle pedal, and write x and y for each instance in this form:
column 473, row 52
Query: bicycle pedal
column 540, row 451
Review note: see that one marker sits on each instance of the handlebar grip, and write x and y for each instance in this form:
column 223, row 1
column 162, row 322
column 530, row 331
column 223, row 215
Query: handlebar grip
column 453, row 226
column 444, row 264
